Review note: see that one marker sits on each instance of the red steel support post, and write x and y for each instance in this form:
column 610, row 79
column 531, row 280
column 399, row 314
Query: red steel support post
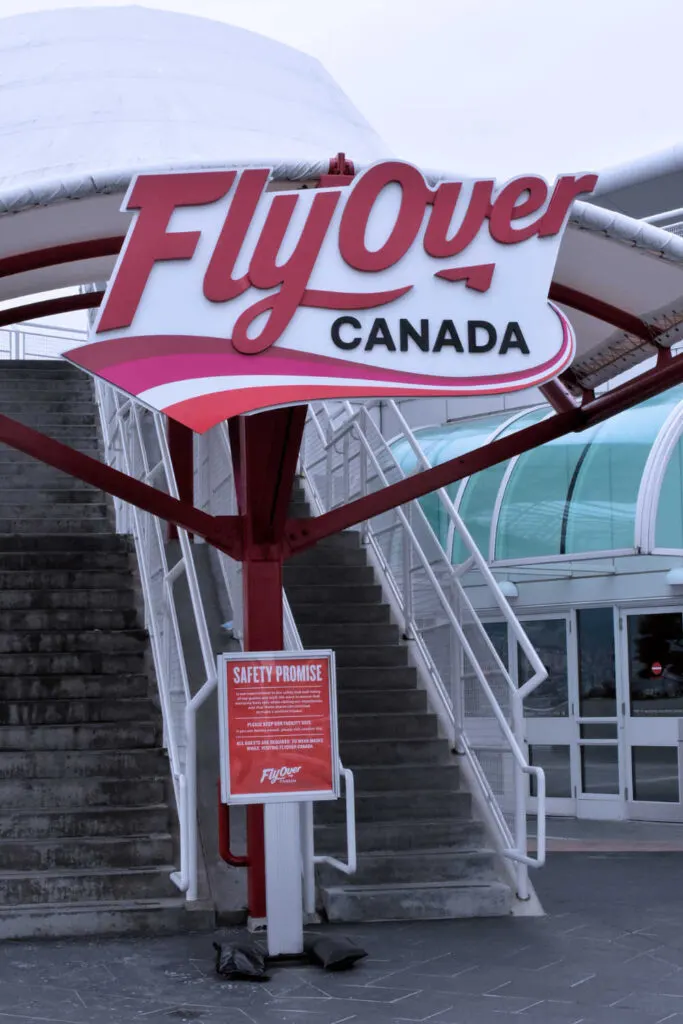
column 181, row 447
column 265, row 448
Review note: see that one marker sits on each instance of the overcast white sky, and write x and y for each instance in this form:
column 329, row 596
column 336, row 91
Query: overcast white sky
column 489, row 86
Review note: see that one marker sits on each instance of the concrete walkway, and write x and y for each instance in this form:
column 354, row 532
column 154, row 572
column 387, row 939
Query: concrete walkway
column 609, row 951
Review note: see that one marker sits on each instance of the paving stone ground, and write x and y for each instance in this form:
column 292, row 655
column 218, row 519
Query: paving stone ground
column 609, row 951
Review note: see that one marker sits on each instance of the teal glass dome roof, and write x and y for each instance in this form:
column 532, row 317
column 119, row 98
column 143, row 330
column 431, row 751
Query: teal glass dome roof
column 615, row 487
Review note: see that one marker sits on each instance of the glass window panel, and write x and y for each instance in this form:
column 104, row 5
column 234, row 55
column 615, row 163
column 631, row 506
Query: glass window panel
column 555, row 762
column 597, row 673
column 604, row 731
column 655, row 774
column 600, row 770
column 655, row 664
column 439, row 445
column 533, row 506
column 669, row 523
column 602, row 510
column 550, row 699
column 480, row 494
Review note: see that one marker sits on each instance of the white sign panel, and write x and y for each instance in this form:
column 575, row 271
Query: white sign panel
column 228, row 298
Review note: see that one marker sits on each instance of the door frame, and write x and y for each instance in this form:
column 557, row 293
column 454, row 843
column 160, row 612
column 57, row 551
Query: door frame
column 633, row 730
column 551, row 731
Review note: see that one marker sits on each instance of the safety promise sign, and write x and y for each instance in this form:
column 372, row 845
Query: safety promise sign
column 279, row 734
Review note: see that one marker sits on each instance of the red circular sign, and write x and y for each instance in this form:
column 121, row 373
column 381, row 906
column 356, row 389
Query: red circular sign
column 656, row 669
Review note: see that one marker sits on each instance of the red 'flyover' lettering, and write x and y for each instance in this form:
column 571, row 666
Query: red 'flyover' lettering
column 157, row 196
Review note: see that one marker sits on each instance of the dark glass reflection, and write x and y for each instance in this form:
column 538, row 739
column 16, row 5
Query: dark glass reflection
column 655, row 774
column 475, row 701
column 600, row 770
column 655, row 664
column 555, row 762
column 597, row 671
column 498, row 635
column 550, row 699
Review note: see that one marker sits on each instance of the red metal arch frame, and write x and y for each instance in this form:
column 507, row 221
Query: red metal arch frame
column 265, row 449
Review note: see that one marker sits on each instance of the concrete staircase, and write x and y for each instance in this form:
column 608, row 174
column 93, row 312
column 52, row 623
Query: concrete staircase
column 86, row 843
column 421, row 854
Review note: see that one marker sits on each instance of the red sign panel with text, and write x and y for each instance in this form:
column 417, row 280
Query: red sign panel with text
column 279, row 727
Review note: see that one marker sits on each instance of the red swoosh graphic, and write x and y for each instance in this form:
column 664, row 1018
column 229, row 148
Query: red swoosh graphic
column 478, row 278
column 351, row 300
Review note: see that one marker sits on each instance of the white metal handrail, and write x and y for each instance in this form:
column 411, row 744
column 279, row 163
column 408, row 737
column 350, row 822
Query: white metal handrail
column 39, row 341
column 131, row 446
column 331, row 444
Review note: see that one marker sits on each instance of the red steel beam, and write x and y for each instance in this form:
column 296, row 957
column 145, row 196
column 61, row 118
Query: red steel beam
column 223, row 532
column 57, row 255
column 304, row 533
column 49, row 307
column 557, row 395
column 181, row 449
column 609, row 314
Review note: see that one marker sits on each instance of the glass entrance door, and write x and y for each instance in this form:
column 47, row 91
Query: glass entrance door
column 549, row 716
column 652, row 712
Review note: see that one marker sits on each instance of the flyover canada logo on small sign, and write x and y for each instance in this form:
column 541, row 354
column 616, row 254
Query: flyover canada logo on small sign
column 229, row 298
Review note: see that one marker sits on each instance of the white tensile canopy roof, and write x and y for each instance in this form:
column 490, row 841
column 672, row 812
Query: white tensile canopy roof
column 90, row 96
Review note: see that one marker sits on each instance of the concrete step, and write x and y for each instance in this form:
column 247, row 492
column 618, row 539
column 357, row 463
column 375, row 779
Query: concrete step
column 377, row 678
column 30, row 473
column 52, row 412
column 122, row 821
column 78, row 687
column 348, row 634
column 101, row 852
column 113, row 542
column 84, row 602
column 408, row 867
column 394, row 725
column 299, row 510
column 413, row 834
column 381, row 701
column 322, row 557
column 69, row 664
column 105, row 576
column 123, row 641
column 427, row 901
column 318, row 614
column 45, row 391
column 13, row 457
column 84, row 764
column 358, row 753
column 62, row 794
column 121, row 918
column 42, row 513
column 333, row 575
column 346, row 539
column 107, row 736
column 387, row 656
column 41, row 495
column 397, row 806
column 83, row 885
column 403, row 778
column 327, row 592
column 69, row 619
column 57, row 522
column 84, row 571
column 35, row 713
column 34, row 369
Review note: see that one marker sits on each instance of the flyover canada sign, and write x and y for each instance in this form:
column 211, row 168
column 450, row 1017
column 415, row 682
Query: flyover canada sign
column 229, row 298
